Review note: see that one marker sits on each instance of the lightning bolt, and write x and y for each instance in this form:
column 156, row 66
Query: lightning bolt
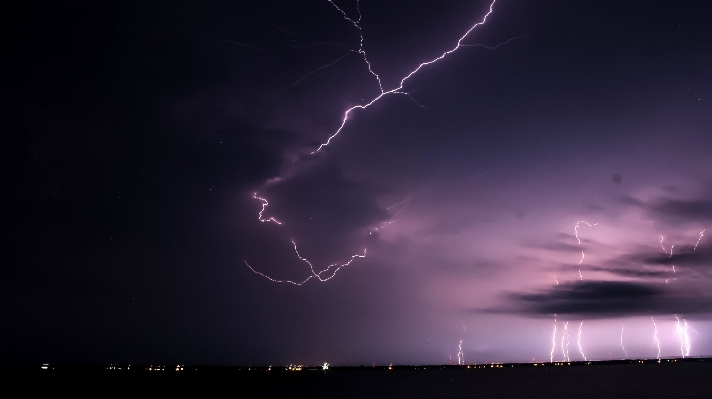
column 655, row 337
column 579, row 340
column 264, row 206
column 684, row 337
column 314, row 274
column 702, row 233
column 553, row 342
column 623, row 347
column 565, row 338
column 460, row 355
column 579, row 243
column 399, row 89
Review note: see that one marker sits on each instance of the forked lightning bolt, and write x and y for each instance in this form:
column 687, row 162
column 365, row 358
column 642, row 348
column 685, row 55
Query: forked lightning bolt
column 399, row 89
column 565, row 338
column 314, row 274
column 684, row 336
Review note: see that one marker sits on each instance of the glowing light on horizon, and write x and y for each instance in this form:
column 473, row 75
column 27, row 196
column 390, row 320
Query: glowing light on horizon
column 398, row 90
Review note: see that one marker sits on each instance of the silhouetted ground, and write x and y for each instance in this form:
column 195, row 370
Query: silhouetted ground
column 647, row 380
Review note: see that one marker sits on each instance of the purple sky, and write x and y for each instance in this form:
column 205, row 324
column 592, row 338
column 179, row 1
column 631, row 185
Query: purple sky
column 139, row 161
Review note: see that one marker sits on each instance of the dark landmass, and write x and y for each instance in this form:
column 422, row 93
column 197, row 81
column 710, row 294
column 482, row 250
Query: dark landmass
column 643, row 378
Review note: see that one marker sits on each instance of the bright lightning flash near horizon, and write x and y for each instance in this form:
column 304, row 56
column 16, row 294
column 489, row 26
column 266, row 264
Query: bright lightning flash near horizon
column 684, row 336
column 345, row 118
column 655, row 337
column 579, row 340
column 623, row 347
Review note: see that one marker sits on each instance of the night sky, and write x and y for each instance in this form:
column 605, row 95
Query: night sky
column 135, row 134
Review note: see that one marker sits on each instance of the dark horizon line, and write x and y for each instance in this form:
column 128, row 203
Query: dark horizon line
column 46, row 367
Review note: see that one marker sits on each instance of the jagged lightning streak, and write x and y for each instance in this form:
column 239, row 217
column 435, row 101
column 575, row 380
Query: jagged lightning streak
column 684, row 337
column 655, row 337
column 320, row 68
column 565, row 338
column 314, row 274
column 553, row 342
column 460, row 355
column 579, row 340
column 399, row 89
column 579, row 243
column 702, row 233
column 623, row 347
column 264, row 205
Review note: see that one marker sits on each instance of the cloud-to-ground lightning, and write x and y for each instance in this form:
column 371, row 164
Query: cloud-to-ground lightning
column 623, row 347
column 553, row 342
column 399, row 89
column 579, row 341
column 579, row 243
column 684, row 336
column 565, row 339
column 460, row 355
column 655, row 337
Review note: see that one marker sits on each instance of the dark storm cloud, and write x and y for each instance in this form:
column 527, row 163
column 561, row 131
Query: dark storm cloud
column 672, row 210
column 685, row 256
column 601, row 299
column 324, row 208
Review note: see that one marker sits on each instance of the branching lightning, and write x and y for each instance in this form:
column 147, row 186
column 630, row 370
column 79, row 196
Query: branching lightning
column 399, row 89
column 314, row 274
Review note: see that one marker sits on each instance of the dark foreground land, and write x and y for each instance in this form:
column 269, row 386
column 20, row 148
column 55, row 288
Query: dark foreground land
column 674, row 379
